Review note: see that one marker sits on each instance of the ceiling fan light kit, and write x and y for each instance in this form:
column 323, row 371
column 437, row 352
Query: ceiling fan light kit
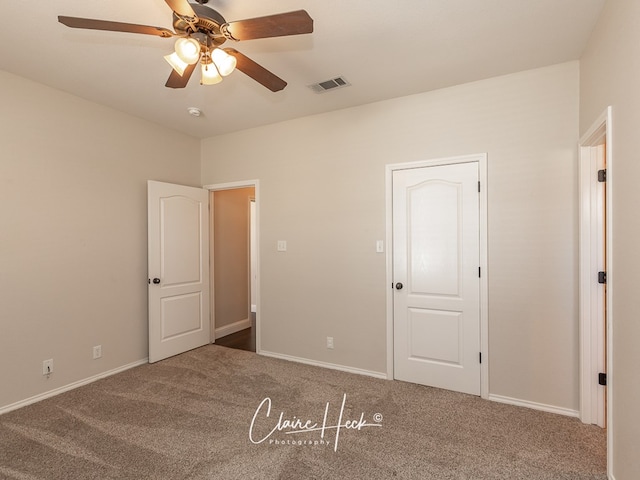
column 176, row 63
column 188, row 49
column 200, row 31
column 210, row 73
column 224, row 62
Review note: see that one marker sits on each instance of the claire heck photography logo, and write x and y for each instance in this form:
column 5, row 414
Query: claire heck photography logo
column 277, row 429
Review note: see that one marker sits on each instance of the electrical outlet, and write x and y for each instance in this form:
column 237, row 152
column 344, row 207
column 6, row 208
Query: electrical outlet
column 330, row 342
column 97, row 351
column 47, row 367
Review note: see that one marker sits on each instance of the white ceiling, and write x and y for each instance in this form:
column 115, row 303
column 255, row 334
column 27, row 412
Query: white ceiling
column 384, row 48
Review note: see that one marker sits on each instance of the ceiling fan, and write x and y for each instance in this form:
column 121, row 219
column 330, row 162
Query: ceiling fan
column 200, row 31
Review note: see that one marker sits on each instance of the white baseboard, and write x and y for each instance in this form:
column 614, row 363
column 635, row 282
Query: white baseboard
column 70, row 386
column 332, row 366
column 232, row 328
column 536, row 406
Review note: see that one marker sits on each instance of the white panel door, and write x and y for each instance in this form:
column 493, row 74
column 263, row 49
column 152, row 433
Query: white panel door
column 178, row 269
column 436, row 259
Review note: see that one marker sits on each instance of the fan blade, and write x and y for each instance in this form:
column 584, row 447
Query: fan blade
column 75, row 22
column 181, row 7
column 256, row 71
column 279, row 25
column 180, row 81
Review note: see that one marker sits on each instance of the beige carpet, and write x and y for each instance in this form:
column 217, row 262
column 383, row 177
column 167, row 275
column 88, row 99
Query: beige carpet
column 190, row 417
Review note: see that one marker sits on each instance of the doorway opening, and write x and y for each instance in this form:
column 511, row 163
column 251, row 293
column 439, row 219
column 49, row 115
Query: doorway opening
column 596, row 278
column 234, row 265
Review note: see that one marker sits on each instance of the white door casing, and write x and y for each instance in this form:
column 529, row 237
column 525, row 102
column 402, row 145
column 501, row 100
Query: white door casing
column 596, row 254
column 436, row 257
column 253, row 259
column 178, row 237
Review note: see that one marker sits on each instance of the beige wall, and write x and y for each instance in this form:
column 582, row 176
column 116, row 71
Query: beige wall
column 73, row 249
column 73, row 235
column 231, row 255
column 610, row 75
column 322, row 181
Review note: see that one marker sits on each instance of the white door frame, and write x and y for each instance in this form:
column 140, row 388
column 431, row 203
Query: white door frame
column 481, row 159
column 253, row 248
column 230, row 186
column 600, row 132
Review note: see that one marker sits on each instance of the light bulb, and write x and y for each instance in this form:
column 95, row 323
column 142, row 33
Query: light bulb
column 225, row 62
column 176, row 62
column 188, row 49
column 210, row 75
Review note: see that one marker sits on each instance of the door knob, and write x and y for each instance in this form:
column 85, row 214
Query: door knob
column 399, row 286
column 156, row 280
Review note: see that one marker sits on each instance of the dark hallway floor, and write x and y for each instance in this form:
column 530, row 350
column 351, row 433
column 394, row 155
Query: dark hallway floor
column 242, row 340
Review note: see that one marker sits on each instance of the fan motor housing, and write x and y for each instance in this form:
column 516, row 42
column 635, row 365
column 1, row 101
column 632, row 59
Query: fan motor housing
column 208, row 22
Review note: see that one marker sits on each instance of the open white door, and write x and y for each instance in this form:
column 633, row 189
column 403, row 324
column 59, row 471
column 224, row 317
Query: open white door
column 178, row 269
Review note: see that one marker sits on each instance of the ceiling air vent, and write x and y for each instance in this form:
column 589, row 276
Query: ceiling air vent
column 327, row 85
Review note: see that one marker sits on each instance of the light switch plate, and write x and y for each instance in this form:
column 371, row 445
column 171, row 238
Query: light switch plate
column 282, row 245
column 379, row 246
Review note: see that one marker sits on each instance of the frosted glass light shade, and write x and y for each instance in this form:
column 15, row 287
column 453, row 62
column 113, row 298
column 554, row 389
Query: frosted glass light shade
column 225, row 62
column 210, row 75
column 176, row 62
column 188, row 49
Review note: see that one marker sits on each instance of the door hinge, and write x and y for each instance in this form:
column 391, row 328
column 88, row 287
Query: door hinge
column 602, row 277
column 602, row 175
column 480, row 356
column 602, row 379
column 479, row 272
column 478, row 187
